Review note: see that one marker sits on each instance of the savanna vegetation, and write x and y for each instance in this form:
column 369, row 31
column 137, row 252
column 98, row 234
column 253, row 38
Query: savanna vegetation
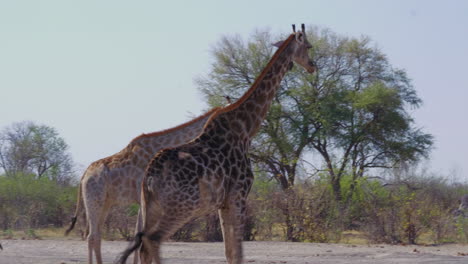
column 338, row 154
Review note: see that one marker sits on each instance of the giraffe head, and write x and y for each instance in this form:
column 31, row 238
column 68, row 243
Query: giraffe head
column 300, row 47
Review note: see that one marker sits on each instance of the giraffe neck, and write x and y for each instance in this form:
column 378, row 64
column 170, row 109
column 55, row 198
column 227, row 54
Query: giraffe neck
column 250, row 110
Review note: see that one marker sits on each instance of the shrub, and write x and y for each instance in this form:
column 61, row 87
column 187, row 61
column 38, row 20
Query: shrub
column 27, row 202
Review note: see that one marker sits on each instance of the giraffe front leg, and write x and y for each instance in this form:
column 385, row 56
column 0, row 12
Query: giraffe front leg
column 232, row 224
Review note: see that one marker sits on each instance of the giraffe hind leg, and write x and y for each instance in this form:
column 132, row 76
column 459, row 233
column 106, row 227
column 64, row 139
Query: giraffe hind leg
column 162, row 228
column 96, row 214
column 149, row 250
column 139, row 228
column 94, row 240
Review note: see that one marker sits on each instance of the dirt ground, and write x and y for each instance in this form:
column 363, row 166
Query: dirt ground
column 73, row 251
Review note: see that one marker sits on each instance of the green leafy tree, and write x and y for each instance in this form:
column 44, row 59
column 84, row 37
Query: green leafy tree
column 353, row 112
column 28, row 148
column 358, row 106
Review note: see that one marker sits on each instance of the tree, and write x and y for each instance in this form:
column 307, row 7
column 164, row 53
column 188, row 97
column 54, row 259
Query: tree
column 28, row 148
column 358, row 105
column 353, row 113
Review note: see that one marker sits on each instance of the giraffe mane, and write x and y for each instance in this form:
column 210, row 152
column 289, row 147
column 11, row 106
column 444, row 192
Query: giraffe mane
column 255, row 84
column 169, row 130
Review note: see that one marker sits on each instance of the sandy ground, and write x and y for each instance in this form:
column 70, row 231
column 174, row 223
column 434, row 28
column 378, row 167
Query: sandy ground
column 72, row 251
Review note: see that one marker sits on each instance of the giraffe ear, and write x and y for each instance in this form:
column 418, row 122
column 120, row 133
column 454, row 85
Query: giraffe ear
column 278, row 44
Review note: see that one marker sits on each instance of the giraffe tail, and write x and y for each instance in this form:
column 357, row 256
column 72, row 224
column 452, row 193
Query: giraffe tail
column 132, row 247
column 77, row 211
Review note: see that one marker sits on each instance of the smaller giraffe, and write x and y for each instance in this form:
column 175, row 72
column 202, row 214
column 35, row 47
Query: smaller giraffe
column 117, row 178
column 213, row 171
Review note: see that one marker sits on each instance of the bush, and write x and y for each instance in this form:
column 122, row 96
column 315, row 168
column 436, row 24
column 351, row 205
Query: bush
column 314, row 214
column 121, row 222
column 414, row 210
column 27, row 202
column 401, row 212
column 306, row 212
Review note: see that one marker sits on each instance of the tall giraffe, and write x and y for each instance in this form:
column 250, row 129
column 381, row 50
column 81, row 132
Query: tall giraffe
column 117, row 178
column 213, row 171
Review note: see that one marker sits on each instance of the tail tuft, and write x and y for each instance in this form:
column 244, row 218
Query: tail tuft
column 71, row 226
column 132, row 247
column 79, row 202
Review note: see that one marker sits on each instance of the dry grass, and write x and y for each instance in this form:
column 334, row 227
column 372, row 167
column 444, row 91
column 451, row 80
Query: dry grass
column 347, row 237
column 50, row 233
column 353, row 237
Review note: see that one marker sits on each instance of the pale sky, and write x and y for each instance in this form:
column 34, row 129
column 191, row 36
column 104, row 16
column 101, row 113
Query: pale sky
column 103, row 72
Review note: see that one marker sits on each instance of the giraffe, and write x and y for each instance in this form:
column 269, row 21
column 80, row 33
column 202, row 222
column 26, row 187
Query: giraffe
column 213, row 171
column 114, row 179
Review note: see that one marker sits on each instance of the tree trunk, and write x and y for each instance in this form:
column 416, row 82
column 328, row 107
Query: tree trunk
column 336, row 187
column 288, row 215
column 289, row 224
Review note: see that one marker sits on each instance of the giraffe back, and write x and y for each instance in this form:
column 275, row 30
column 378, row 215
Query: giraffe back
column 119, row 175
